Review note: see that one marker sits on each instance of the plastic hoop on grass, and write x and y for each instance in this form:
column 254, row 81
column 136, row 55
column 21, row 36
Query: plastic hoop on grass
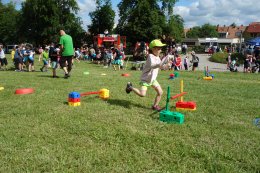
column 24, row 91
column 125, row 74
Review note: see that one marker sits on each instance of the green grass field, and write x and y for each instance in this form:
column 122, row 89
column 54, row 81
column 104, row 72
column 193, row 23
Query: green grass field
column 41, row 133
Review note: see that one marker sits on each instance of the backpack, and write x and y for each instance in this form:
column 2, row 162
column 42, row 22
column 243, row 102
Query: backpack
column 197, row 58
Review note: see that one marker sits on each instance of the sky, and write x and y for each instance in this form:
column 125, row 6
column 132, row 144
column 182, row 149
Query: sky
column 194, row 12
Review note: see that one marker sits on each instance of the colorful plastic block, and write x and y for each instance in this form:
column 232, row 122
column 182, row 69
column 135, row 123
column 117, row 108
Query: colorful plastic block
column 74, row 95
column 73, row 99
column 187, row 105
column 74, row 103
column 185, row 109
column 207, row 78
column 176, row 74
column 104, row 94
column 171, row 117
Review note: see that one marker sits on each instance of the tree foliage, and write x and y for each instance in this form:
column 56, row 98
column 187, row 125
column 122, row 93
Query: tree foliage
column 8, row 24
column 174, row 28
column 102, row 18
column 140, row 20
column 41, row 20
column 206, row 30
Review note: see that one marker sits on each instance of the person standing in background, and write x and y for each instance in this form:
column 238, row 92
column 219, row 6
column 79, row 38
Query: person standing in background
column 67, row 52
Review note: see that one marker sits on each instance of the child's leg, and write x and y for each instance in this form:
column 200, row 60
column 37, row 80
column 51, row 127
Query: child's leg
column 159, row 91
column 140, row 92
column 114, row 66
column 30, row 67
column 54, row 72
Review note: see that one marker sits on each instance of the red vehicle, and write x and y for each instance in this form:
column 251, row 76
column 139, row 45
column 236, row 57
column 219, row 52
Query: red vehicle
column 114, row 40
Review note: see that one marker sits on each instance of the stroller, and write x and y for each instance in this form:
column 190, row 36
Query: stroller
column 233, row 66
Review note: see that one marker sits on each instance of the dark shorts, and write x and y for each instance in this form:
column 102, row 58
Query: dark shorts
column 18, row 60
column 195, row 64
column 4, row 61
column 65, row 59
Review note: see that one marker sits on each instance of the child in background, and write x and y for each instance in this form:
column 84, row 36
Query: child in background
column 31, row 60
column 117, row 56
column 247, row 63
column 3, row 60
column 40, row 52
column 194, row 60
column 150, row 73
column 53, row 55
column 12, row 53
column 228, row 60
column 18, row 59
column 45, row 58
column 185, row 63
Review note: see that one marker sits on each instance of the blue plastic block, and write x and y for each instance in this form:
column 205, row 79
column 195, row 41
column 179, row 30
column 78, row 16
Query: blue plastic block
column 74, row 95
column 171, row 117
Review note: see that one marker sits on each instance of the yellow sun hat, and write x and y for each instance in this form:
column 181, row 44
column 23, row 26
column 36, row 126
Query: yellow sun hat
column 156, row 43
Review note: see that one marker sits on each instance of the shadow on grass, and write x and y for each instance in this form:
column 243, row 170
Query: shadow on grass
column 49, row 76
column 125, row 103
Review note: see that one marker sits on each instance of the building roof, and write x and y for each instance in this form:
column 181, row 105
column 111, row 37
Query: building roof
column 231, row 30
column 253, row 27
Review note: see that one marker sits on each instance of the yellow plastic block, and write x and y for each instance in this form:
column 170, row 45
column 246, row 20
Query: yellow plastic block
column 207, row 78
column 186, row 109
column 104, row 94
column 74, row 103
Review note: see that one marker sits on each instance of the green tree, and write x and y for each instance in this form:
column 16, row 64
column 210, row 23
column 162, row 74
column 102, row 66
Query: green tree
column 206, row 30
column 140, row 20
column 193, row 32
column 8, row 24
column 175, row 28
column 102, row 18
column 41, row 21
column 167, row 6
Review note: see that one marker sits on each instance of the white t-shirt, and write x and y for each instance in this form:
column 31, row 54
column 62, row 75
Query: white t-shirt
column 2, row 54
column 152, row 67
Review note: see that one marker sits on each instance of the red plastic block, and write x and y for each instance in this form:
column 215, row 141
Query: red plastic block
column 73, row 99
column 189, row 105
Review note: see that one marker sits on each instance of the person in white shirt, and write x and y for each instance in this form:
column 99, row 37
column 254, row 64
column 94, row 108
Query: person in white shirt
column 3, row 60
column 150, row 73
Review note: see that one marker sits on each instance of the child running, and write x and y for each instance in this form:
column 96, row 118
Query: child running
column 53, row 55
column 150, row 73
column 45, row 58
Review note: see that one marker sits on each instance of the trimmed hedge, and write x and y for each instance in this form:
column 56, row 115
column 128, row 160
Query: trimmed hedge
column 221, row 57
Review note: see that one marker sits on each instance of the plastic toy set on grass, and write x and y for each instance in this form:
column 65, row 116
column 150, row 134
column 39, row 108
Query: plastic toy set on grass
column 176, row 117
column 168, row 116
column 74, row 97
column 181, row 105
column 207, row 75
column 174, row 75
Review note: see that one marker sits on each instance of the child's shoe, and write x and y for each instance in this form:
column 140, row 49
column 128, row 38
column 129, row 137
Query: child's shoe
column 129, row 87
column 157, row 108
column 66, row 76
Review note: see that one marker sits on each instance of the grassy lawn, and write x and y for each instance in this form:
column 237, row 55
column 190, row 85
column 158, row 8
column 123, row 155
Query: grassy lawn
column 41, row 133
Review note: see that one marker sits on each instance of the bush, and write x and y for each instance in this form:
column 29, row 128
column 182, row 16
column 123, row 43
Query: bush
column 199, row 49
column 220, row 57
